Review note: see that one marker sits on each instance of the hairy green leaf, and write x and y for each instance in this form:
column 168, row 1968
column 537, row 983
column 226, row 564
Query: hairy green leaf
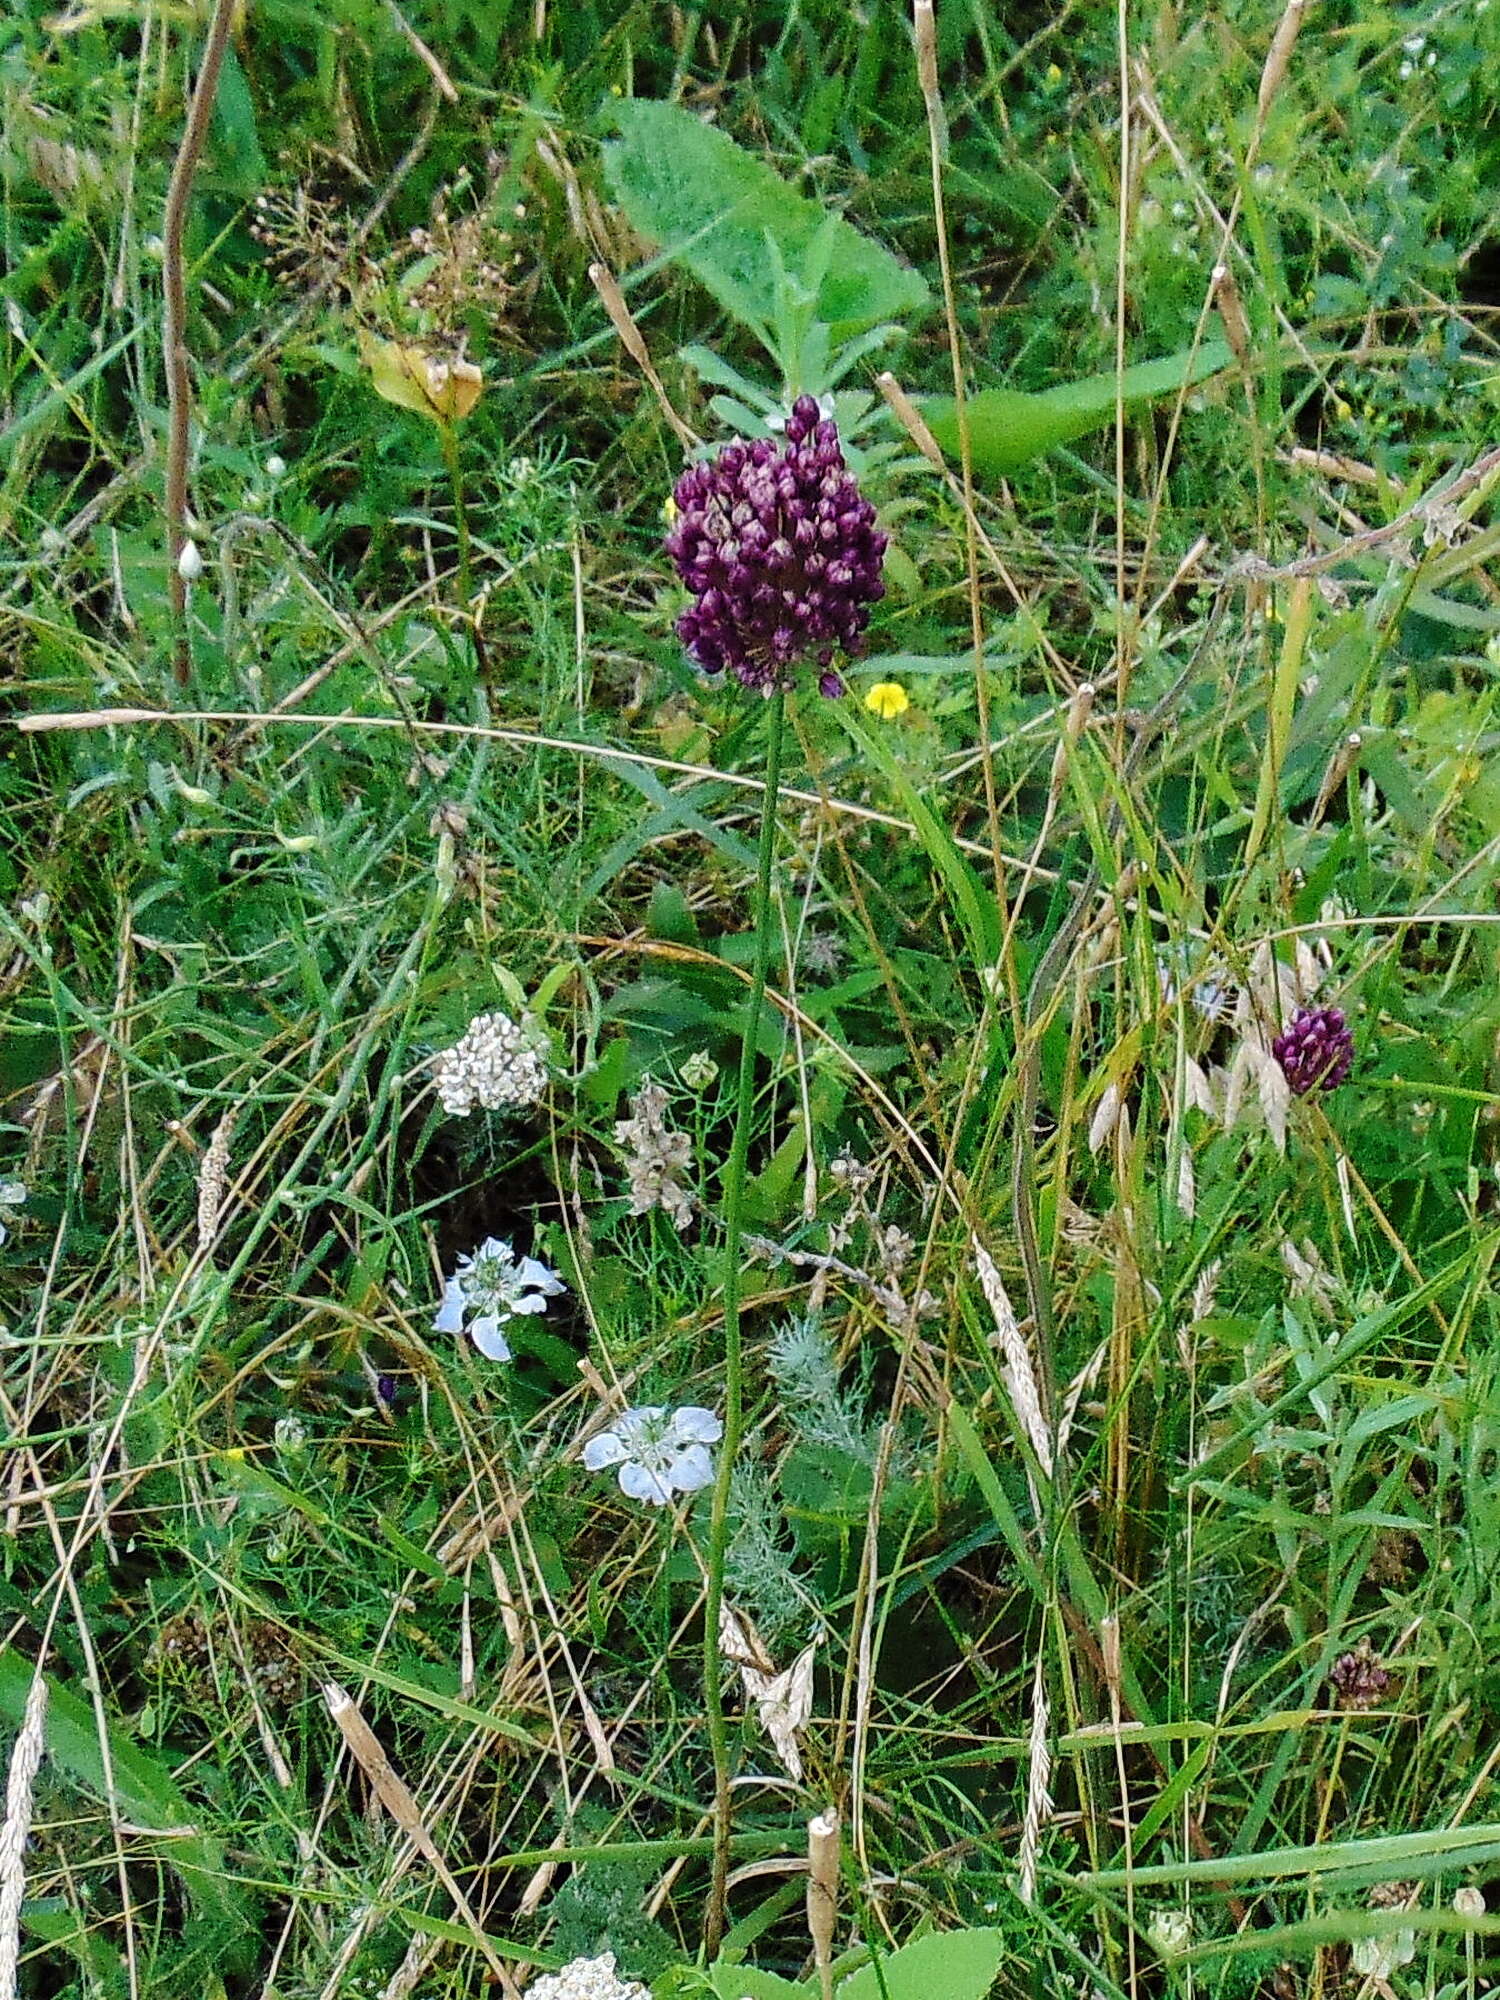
column 716, row 208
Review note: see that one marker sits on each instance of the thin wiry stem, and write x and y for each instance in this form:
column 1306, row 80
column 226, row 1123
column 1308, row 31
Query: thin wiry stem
column 734, row 1205
column 174, row 312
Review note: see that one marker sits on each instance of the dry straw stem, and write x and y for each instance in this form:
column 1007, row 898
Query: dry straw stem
column 390, row 1789
column 634, row 343
column 823, row 1892
column 1278, row 60
column 910, row 418
column 25, row 1759
column 424, row 54
column 924, row 31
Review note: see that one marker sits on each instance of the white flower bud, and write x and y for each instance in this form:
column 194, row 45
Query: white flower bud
column 290, row 1436
column 275, row 466
column 190, row 563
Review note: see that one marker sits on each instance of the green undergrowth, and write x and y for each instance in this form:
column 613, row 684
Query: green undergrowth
column 435, row 751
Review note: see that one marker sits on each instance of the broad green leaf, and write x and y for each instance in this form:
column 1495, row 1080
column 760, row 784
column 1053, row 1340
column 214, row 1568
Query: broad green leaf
column 956, row 1965
column 747, row 1982
column 238, row 158
column 712, row 205
column 1007, row 427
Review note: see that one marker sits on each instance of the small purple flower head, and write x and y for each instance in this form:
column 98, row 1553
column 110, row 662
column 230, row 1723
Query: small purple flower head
column 1316, row 1051
column 781, row 553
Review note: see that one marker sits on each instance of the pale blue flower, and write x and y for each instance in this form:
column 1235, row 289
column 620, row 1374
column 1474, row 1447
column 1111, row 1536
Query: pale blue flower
column 659, row 1452
column 12, row 1201
column 490, row 1288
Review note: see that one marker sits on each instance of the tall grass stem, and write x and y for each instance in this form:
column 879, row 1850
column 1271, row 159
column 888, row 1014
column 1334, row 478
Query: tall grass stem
column 449, row 435
column 734, row 1206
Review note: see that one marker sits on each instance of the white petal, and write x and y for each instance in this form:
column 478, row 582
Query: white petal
column 691, row 1469
column 493, row 1247
column 488, row 1338
column 606, row 1449
column 695, row 1426
column 533, row 1273
column 450, row 1314
column 531, row 1302
column 643, row 1485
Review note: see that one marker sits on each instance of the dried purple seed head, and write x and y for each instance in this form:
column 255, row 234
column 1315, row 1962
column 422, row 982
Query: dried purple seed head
column 1359, row 1680
column 1317, row 1050
column 781, row 553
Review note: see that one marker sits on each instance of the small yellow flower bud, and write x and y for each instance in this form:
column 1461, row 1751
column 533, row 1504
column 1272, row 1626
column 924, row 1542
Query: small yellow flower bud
column 887, row 699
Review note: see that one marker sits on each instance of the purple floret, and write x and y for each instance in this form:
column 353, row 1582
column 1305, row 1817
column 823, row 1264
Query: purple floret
column 1317, row 1050
column 781, row 553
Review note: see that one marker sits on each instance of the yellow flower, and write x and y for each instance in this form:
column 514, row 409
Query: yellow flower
column 433, row 385
column 887, row 699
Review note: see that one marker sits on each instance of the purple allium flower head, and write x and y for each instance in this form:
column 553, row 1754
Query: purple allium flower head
column 782, row 555
column 1316, row 1051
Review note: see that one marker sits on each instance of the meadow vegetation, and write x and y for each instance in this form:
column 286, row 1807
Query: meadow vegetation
column 1022, row 1120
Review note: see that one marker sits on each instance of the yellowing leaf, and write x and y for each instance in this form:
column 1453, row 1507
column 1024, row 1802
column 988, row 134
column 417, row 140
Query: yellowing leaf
column 433, row 385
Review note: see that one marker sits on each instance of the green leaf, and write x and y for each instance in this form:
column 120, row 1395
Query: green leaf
column 237, row 153
column 746, row 1982
column 1008, row 427
column 714, row 207
column 140, row 1789
column 947, row 1965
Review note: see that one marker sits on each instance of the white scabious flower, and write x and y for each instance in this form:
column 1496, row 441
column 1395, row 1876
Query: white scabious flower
column 586, row 1979
column 499, row 1065
column 699, row 1070
column 290, row 1437
column 1210, row 993
column 659, row 1452
column 491, row 1288
column 1379, row 1957
column 1170, row 1932
column 12, row 1200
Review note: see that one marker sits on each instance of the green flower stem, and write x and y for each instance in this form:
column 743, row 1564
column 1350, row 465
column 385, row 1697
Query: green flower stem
column 734, row 1204
column 449, row 435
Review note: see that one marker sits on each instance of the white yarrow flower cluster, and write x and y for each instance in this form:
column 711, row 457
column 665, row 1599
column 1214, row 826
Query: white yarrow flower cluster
column 12, row 1201
column 499, row 1065
column 586, row 1979
column 489, row 1289
column 659, row 1452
